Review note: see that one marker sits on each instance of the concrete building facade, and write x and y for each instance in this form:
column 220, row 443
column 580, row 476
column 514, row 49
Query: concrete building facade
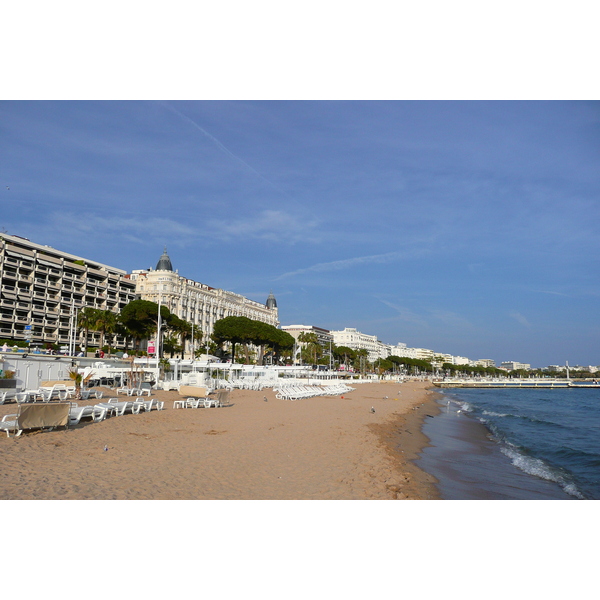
column 42, row 289
column 324, row 337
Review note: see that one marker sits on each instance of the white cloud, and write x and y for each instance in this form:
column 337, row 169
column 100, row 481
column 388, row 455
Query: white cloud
column 520, row 318
column 339, row 265
column 271, row 225
column 405, row 314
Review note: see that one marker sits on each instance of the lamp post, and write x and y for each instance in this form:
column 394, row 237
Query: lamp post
column 157, row 351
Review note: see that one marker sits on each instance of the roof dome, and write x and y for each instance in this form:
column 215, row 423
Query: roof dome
column 164, row 262
column 271, row 302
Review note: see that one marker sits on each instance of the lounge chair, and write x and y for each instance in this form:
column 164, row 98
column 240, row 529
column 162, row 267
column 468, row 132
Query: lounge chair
column 126, row 406
column 76, row 413
column 108, row 407
column 211, row 402
column 9, row 423
column 194, row 402
column 223, row 397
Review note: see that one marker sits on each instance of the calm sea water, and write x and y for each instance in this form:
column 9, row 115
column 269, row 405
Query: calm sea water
column 515, row 444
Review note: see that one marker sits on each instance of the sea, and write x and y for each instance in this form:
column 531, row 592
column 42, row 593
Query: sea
column 519, row 444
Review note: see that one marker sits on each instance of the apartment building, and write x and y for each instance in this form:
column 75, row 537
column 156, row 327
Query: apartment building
column 196, row 302
column 324, row 336
column 512, row 365
column 42, row 289
column 352, row 338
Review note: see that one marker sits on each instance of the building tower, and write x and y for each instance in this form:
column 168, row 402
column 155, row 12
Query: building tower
column 271, row 304
column 164, row 262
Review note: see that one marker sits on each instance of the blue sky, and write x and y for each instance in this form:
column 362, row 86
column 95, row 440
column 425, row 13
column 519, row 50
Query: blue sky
column 467, row 227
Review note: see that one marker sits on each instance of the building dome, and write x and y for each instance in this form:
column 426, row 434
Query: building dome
column 271, row 302
column 164, row 262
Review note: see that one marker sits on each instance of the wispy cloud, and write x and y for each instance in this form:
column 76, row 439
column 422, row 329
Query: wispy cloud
column 430, row 317
column 405, row 314
column 348, row 263
column 552, row 293
column 268, row 225
column 221, row 146
column 520, row 318
column 131, row 229
column 451, row 319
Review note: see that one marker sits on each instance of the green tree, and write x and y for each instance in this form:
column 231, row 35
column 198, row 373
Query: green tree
column 234, row 330
column 344, row 355
column 106, row 324
column 86, row 320
column 242, row 330
column 311, row 350
column 140, row 317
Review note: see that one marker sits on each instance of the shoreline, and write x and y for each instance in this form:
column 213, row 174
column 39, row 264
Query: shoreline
column 315, row 448
column 469, row 462
column 404, row 441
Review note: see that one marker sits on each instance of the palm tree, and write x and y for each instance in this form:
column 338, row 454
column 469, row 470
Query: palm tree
column 106, row 323
column 184, row 329
column 87, row 319
column 77, row 377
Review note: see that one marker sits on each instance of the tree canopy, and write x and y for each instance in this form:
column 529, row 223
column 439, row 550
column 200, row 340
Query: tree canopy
column 242, row 330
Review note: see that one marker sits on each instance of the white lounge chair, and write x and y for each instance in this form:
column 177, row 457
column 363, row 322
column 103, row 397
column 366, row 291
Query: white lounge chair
column 126, row 406
column 194, row 402
column 9, row 423
column 211, row 402
column 107, row 407
column 77, row 413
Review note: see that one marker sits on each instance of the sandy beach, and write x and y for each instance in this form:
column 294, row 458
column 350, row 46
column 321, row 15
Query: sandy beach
column 315, row 448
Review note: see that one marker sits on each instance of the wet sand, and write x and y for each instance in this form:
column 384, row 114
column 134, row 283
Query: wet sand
column 252, row 449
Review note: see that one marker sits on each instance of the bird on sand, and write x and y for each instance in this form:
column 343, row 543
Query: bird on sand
column 265, row 398
column 372, row 409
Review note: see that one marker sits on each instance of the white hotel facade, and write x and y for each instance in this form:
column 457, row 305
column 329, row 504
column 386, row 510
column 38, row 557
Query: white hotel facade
column 196, row 302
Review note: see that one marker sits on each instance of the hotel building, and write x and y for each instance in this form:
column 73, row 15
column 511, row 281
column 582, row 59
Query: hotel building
column 196, row 302
column 351, row 338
